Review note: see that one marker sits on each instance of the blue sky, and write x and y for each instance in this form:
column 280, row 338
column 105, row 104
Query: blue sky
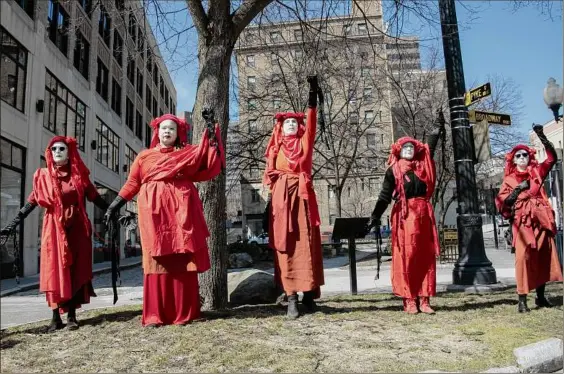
column 522, row 45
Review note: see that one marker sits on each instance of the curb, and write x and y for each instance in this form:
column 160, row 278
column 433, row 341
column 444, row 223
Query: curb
column 540, row 357
column 35, row 285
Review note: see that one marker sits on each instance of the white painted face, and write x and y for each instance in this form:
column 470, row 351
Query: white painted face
column 60, row 153
column 167, row 133
column 290, row 126
column 521, row 159
column 407, row 151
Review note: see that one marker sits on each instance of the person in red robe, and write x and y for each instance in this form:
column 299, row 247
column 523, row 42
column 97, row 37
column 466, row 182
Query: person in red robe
column 292, row 213
column 66, row 240
column 410, row 181
column 523, row 200
column 171, row 218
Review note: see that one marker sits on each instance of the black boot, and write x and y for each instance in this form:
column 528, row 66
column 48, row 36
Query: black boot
column 308, row 302
column 541, row 301
column 56, row 322
column 522, row 307
column 293, row 311
column 72, row 323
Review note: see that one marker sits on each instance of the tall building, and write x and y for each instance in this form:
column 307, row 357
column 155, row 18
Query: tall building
column 354, row 61
column 87, row 69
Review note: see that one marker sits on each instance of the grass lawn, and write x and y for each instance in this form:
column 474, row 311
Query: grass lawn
column 364, row 333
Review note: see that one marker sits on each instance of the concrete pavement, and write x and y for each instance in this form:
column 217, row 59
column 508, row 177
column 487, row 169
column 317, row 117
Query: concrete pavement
column 29, row 306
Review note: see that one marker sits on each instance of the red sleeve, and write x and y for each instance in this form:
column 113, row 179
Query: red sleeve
column 309, row 136
column 133, row 184
column 545, row 166
column 213, row 162
column 504, row 192
column 91, row 191
column 32, row 198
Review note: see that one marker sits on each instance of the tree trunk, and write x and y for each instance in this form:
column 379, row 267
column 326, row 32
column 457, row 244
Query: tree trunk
column 213, row 91
column 338, row 196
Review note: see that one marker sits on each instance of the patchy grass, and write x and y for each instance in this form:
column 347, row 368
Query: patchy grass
column 365, row 333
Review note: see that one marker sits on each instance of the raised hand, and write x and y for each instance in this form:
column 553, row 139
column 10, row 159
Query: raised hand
column 538, row 129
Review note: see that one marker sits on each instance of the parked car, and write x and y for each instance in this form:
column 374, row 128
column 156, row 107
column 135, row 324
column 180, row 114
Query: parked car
column 262, row 239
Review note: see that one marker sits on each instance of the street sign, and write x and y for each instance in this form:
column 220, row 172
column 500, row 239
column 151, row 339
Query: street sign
column 476, row 116
column 478, row 93
column 450, row 235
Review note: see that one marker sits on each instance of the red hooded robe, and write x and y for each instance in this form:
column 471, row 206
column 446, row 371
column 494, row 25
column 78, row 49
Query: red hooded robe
column 171, row 221
column 66, row 244
column 415, row 243
column 534, row 226
column 294, row 217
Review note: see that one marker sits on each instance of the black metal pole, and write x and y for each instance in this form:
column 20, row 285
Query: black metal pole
column 472, row 266
column 352, row 264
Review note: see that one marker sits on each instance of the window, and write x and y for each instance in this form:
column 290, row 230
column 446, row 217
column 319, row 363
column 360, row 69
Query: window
column 116, row 97
column 107, row 152
column 372, row 182
column 253, row 173
column 130, row 155
column 13, row 70
column 370, row 140
column 298, row 35
column 149, row 61
column 138, row 125
column 140, row 40
column 251, row 83
column 362, row 29
column 104, row 25
column 365, row 72
column 118, row 48
column 275, row 36
column 367, row 93
column 251, row 60
column 274, row 58
column 155, row 107
column 148, row 134
column 166, row 97
column 381, row 138
column 132, row 28
column 251, row 104
column 276, row 103
column 64, row 113
column 161, row 87
column 140, row 84
column 346, row 30
column 131, row 71
column 161, row 112
column 275, row 77
column 255, row 197
column 353, row 118
column 28, row 6
column 331, row 192
column 102, row 80
column 368, row 116
column 252, row 125
column 58, row 26
column 120, row 5
column 148, row 98
column 129, row 113
column 155, row 75
column 298, row 54
column 81, row 54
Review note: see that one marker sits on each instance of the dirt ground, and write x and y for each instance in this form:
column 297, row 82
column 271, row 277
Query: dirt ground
column 364, row 333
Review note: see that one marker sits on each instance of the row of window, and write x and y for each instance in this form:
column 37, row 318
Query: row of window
column 13, row 70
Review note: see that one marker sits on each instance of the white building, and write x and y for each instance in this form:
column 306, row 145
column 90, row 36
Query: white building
column 87, row 69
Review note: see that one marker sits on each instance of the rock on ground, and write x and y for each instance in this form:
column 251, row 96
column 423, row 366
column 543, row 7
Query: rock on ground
column 240, row 260
column 541, row 357
column 251, row 287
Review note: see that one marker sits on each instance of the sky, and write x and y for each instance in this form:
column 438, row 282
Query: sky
column 523, row 45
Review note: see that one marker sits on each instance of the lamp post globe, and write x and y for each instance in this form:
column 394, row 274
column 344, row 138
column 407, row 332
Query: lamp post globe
column 553, row 96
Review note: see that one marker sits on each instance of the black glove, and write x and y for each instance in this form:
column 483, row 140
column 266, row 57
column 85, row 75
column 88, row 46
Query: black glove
column 22, row 214
column 512, row 198
column 100, row 202
column 113, row 209
column 313, row 88
column 374, row 222
column 539, row 130
column 548, row 146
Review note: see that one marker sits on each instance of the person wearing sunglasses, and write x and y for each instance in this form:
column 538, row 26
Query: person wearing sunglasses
column 66, row 238
column 523, row 201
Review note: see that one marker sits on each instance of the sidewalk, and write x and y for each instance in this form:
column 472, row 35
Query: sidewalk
column 10, row 286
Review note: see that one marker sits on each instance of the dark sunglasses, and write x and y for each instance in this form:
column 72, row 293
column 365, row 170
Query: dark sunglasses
column 519, row 155
column 60, row 149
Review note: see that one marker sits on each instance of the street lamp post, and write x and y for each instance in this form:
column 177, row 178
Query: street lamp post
column 472, row 266
column 553, row 97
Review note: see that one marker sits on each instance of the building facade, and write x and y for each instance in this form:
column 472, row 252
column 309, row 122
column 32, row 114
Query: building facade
column 81, row 68
column 356, row 64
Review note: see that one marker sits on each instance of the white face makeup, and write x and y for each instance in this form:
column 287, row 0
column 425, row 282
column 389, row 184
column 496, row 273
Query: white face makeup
column 521, row 159
column 167, row 133
column 60, row 153
column 290, row 126
column 407, row 151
